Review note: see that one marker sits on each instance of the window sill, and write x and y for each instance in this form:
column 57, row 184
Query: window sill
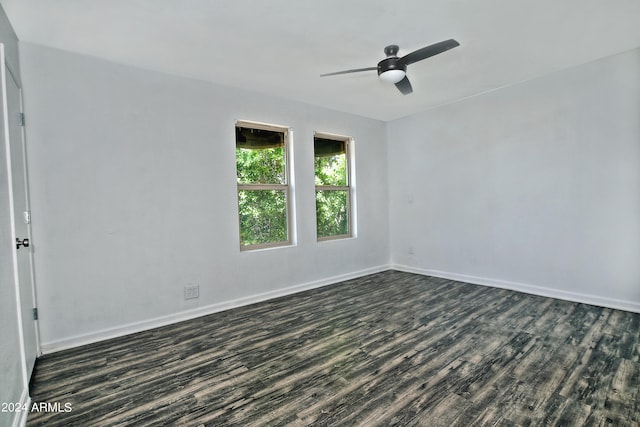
column 251, row 249
column 335, row 238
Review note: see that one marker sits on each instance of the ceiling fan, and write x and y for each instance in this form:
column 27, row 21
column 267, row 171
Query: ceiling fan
column 394, row 70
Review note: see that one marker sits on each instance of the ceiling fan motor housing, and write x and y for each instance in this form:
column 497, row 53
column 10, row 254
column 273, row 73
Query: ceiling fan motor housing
column 392, row 63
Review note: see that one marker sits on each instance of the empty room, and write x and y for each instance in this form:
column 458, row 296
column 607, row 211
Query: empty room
column 320, row 213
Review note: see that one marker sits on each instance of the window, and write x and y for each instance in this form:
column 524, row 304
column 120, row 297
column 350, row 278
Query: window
column 262, row 168
column 333, row 186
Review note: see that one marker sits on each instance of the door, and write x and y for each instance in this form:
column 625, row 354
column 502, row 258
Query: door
column 23, row 274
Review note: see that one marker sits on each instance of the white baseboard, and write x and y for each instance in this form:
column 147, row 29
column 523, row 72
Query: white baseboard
column 20, row 418
column 529, row 289
column 118, row 331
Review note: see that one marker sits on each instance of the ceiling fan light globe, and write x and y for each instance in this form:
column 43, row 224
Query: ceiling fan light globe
column 392, row 76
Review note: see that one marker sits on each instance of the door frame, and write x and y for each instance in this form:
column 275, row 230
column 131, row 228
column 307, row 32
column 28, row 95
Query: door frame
column 7, row 73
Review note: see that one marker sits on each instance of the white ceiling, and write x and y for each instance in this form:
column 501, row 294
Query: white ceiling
column 280, row 47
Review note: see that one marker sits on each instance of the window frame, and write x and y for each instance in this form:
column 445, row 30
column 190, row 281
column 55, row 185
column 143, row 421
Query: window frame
column 348, row 148
column 286, row 188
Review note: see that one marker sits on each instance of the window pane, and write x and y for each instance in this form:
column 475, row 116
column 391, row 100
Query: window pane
column 330, row 162
column 261, row 166
column 332, row 212
column 260, row 156
column 263, row 216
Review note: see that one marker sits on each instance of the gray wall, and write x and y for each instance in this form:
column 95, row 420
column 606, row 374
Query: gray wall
column 10, row 40
column 534, row 187
column 12, row 384
column 133, row 191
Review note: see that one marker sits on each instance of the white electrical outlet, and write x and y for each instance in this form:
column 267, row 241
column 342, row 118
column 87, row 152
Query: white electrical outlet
column 191, row 291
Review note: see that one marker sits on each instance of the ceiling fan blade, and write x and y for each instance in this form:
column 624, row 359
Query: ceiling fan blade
column 404, row 86
column 426, row 52
column 357, row 70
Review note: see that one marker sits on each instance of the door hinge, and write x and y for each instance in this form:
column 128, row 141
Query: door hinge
column 21, row 119
column 27, row 217
column 35, row 313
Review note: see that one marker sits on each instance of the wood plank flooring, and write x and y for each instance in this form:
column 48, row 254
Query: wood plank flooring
column 387, row 349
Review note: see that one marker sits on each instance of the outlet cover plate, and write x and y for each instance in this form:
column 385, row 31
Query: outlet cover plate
column 191, row 291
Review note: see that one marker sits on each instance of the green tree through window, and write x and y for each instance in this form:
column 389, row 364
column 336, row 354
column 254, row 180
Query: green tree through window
column 263, row 187
column 333, row 190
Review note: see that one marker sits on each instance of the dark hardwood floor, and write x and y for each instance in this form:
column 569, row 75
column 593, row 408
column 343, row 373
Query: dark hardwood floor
column 386, row 349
